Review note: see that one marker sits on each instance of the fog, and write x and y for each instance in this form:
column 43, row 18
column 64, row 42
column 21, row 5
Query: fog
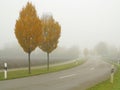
column 15, row 52
column 84, row 24
column 16, row 57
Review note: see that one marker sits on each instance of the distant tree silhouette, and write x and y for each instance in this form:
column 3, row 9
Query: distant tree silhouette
column 85, row 52
column 101, row 49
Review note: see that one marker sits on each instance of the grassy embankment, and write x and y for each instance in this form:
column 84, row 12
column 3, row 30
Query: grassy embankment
column 37, row 71
column 106, row 85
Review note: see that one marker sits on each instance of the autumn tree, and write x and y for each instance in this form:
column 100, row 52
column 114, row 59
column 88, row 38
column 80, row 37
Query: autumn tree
column 28, row 30
column 51, row 33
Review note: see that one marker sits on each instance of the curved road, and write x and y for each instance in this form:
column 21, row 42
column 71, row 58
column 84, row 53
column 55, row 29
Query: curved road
column 82, row 77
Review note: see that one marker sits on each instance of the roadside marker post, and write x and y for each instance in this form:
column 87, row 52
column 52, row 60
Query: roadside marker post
column 112, row 74
column 5, row 70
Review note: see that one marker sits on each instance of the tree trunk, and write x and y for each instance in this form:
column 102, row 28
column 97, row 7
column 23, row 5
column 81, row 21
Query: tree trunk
column 29, row 68
column 47, row 61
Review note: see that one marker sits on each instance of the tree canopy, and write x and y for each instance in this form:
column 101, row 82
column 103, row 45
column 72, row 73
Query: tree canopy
column 28, row 28
column 51, row 33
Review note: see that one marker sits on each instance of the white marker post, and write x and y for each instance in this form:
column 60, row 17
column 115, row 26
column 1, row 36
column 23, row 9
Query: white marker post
column 112, row 74
column 5, row 70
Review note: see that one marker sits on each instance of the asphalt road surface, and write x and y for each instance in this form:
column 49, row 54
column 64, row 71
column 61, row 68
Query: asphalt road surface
column 78, row 78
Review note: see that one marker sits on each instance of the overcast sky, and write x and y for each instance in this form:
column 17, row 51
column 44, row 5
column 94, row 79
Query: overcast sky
column 84, row 22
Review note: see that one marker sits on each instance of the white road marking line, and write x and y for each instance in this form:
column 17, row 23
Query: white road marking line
column 67, row 76
column 92, row 68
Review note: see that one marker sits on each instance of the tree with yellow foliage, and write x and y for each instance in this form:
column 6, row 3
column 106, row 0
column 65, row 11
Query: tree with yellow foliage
column 28, row 30
column 51, row 33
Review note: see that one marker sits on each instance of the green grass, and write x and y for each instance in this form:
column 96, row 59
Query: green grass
column 37, row 71
column 106, row 85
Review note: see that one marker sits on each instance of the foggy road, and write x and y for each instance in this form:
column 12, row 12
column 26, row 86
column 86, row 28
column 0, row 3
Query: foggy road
column 83, row 76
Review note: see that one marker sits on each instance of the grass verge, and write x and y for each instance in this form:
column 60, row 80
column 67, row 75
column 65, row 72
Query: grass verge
column 106, row 85
column 37, row 71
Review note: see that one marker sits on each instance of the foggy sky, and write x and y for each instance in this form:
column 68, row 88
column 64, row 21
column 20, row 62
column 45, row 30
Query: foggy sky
column 84, row 22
